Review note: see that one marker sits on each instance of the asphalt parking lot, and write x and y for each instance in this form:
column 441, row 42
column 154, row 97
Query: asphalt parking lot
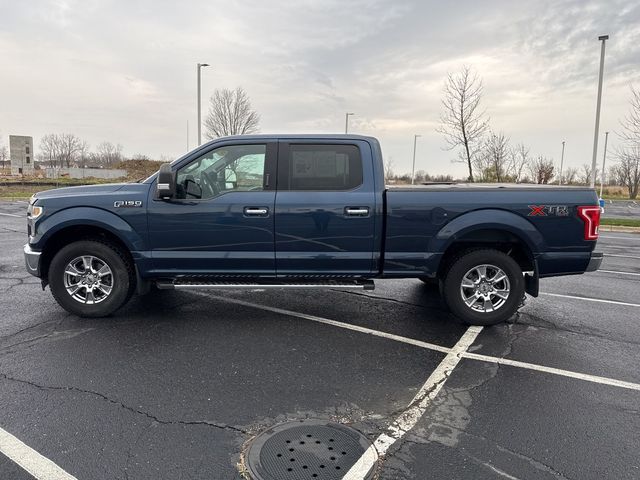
column 622, row 209
column 177, row 383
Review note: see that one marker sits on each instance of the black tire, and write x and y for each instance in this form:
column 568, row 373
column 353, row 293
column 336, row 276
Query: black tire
column 122, row 278
column 466, row 264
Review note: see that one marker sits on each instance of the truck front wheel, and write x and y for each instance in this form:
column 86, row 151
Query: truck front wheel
column 484, row 287
column 91, row 278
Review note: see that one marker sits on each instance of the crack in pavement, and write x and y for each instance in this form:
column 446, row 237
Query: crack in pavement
column 587, row 332
column 221, row 426
column 537, row 464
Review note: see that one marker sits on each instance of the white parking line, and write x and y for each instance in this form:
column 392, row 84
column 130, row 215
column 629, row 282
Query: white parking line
column 621, row 256
column 555, row 371
column 619, row 273
column 620, row 238
column 12, row 215
column 415, row 410
column 430, row 346
column 326, row 321
column 591, row 299
column 38, row 466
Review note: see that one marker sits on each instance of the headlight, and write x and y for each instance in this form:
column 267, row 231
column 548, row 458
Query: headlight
column 34, row 211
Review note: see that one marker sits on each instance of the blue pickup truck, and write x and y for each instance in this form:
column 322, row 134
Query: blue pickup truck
column 312, row 211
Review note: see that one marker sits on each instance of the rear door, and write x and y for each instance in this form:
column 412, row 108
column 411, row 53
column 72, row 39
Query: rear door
column 324, row 208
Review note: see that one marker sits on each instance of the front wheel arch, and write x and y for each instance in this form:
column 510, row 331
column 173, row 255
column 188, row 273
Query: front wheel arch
column 123, row 281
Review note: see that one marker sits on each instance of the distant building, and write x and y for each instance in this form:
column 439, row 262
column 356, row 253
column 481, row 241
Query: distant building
column 21, row 153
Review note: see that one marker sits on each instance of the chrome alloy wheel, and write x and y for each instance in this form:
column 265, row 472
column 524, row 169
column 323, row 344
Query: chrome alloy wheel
column 485, row 288
column 88, row 279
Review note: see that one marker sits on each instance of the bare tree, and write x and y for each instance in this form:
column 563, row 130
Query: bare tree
column 631, row 123
column 492, row 161
column 462, row 122
column 389, row 166
column 518, row 160
column 4, row 154
column 70, row 146
column 585, row 178
column 570, row 175
column 83, row 153
column 230, row 113
column 541, row 170
column 49, row 149
column 108, row 154
column 628, row 168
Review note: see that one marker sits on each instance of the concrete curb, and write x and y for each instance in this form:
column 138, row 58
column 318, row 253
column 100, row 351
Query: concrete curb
column 617, row 228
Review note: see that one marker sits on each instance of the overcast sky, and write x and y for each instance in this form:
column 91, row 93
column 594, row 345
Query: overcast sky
column 125, row 71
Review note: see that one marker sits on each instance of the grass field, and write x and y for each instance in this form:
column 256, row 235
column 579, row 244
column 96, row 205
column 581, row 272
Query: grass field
column 19, row 189
column 620, row 222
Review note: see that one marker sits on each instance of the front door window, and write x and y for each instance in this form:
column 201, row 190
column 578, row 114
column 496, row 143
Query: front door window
column 222, row 170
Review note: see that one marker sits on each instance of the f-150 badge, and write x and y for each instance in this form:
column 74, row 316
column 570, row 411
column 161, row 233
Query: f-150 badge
column 127, row 203
column 548, row 210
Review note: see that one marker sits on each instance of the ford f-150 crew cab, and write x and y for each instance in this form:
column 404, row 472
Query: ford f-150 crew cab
column 292, row 211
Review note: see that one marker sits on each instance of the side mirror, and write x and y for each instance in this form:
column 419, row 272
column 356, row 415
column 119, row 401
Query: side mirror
column 166, row 182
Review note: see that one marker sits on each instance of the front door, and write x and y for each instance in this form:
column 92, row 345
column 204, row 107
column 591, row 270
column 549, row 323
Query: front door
column 221, row 219
column 325, row 209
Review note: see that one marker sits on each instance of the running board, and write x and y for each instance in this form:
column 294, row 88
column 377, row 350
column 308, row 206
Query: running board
column 192, row 283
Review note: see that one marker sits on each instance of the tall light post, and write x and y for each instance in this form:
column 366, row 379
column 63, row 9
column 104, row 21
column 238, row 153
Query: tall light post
column 561, row 163
column 200, row 65
column 603, row 39
column 413, row 168
column 346, row 121
column 604, row 158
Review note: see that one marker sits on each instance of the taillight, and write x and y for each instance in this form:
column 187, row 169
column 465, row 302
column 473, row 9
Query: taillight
column 591, row 217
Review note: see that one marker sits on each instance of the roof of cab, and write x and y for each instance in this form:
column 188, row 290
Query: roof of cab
column 297, row 136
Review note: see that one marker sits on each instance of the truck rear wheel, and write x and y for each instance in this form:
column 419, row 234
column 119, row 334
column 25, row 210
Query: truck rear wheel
column 91, row 278
column 484, row 287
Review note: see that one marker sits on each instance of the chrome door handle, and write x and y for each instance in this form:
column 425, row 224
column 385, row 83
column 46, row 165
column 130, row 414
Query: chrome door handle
column 356, row 211
column 256, row 211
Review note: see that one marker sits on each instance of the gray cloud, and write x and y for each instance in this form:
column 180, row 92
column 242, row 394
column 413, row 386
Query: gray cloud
column 125, row 71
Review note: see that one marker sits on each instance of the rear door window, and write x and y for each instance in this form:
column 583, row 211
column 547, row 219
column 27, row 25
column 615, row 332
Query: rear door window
column 321, row 168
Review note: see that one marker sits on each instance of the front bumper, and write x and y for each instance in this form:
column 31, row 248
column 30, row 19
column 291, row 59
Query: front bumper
column 32, row 260
column 595, row 262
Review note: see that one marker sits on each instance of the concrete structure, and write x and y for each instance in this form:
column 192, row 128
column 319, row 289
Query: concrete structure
column 21, row 153
column 75, row 172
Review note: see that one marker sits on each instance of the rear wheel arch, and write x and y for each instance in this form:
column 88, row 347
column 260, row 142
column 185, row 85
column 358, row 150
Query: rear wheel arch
column 489, row 238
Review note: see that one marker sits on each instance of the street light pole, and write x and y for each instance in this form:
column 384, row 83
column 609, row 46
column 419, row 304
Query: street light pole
column 413, row 168
column 346, row 121
column 561, row 162
column 603, row 39
column 200, row 65
column 604, row 158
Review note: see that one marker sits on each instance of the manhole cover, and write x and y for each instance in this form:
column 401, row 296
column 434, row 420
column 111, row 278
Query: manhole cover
column 306, row 449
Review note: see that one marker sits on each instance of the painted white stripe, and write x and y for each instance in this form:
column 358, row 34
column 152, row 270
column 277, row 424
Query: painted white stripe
column 415, row 410
column 620, row 238
column 618, row 273
column 38, row 466
column 326, row 321
column 12, row 215
column 591, row 299
column 431, row 346
column 621, row 256
column 555, row 371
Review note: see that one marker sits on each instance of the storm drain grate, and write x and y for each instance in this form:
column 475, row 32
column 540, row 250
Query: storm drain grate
column 305, row 449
